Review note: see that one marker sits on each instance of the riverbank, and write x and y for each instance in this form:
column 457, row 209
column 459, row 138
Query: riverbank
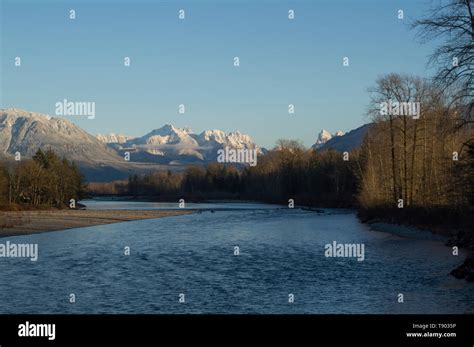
column 13, row 223
column 454, row 228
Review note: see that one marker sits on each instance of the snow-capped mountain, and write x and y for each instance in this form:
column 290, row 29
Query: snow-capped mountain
column 348, row 141
column 210, row 141
column 324, row 136
column 165, row 141
column 26, row 132
column 172, row 144
column 113, row 138
column 212, row 136
column 102, row 158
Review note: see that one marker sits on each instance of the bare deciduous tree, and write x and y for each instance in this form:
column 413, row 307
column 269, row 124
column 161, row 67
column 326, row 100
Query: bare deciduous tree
column 452, row 21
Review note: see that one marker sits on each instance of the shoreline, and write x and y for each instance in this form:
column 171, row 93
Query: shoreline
column 16, row 223
column 407, row 231
column 450, row 235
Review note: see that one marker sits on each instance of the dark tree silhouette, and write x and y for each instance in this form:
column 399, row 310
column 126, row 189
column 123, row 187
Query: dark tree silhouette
column 452, row 21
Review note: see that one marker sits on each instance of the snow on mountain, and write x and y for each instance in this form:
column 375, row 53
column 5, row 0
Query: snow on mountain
column 181, row 143
column 218, row 138
column 166, row 141
column 238, row 140
column 26, row 132
column 349, row 141
column 166, row 134
column 212, row 136
column 324, row 136
column 113, row 138
column 102, row 157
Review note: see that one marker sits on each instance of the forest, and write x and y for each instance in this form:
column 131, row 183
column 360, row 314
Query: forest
column 287, row 172
column 44, row 181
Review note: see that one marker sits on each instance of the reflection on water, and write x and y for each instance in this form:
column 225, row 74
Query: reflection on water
column 281, row 253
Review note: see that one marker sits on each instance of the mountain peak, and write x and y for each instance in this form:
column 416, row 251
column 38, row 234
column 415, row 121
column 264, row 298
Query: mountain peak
column 341, row 141
column 215, row 135
column 169, row 129
column 324, row 136
column 113, row 138
column 16, row 112
column 26, row 132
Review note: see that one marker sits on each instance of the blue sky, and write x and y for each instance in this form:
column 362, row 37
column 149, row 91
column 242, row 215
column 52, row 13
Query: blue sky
column 190, row 62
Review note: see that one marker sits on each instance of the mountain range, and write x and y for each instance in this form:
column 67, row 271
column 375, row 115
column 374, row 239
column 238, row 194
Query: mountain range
column 172, row 145
column 101, row 157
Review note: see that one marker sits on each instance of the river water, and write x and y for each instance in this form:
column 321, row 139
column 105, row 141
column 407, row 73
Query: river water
column 281, row 252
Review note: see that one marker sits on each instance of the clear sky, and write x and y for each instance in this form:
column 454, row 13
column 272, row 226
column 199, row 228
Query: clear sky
column 190, row 62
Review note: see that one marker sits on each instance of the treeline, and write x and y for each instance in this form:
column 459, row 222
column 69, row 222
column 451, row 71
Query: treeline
column 317, row 178
column 46, row 180
column 420, row 160
column 424, row 160
column 287, row 172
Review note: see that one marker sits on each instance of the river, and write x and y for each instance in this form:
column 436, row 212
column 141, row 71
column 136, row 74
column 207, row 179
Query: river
column 281, row 254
